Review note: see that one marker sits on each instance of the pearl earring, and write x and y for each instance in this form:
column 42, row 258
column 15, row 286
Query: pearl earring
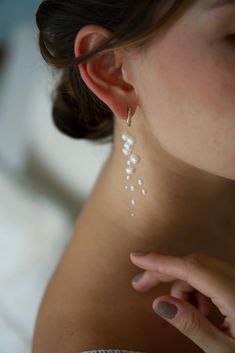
column 133, row 159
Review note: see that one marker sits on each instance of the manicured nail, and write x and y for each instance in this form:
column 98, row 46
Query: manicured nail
column 140, row 253
column 166, row 309
column 138, row 277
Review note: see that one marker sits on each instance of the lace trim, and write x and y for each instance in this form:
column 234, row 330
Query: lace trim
column 111, row 351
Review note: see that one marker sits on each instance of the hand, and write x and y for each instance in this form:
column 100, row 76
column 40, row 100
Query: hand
column 209, row 279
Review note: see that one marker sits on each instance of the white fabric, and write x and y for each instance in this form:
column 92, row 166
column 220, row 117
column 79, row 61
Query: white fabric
column 33, row 233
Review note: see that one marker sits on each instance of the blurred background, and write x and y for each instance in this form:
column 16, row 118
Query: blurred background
column 45, row 176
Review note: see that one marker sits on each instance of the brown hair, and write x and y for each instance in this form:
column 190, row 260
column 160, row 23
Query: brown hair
column 77, row 111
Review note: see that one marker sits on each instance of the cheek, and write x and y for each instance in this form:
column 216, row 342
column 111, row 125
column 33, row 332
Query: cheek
column 189, row 101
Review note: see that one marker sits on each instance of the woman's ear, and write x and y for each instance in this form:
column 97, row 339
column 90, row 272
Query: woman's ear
column 103, row 74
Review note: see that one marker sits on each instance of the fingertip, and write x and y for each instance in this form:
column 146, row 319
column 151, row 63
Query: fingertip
column 139, row 287
column 165, row 308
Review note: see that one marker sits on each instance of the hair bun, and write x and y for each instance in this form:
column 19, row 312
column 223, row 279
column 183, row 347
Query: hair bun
column 77, row 112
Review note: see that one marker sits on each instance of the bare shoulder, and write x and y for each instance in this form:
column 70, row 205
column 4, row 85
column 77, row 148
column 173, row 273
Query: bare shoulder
column 90, row 304
column 78, row 311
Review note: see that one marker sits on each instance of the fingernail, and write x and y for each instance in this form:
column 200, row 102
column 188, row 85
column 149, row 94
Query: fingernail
column 140, row 253
column 137, row 277
column 166, row 309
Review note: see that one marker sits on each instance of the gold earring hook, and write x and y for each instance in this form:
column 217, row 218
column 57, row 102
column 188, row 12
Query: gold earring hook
column 129, row 117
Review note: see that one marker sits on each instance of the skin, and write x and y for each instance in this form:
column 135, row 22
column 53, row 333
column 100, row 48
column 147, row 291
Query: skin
column 184, row 124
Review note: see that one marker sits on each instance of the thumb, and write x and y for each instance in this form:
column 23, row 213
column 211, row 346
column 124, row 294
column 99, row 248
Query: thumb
column 189, row 321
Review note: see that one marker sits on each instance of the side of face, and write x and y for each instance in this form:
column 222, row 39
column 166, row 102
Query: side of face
column 186, row 88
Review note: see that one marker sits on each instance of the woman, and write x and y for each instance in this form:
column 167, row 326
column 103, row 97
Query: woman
column 157, row 77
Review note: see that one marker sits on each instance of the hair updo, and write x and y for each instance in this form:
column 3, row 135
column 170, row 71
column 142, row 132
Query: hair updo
column 77, row 111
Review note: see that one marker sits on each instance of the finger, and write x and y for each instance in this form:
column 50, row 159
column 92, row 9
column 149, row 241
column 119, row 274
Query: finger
column 198, row 270
column 184, row 291
column 190, row 322
column 146, row 280
column 181, row 290
column 150, row 279
column 218, row 265
column 228, row 327
column 204, row 304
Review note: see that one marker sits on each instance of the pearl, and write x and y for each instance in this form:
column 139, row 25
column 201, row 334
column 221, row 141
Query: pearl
column 131, row 140
column 126, row 152
column 144, row 192
column 130, row 170
column 135, row 158
column 127, row 146
column 128, row 177
column 140, row 182
column 132, row 214
column 133, row 202
column 125, row 136
column 132, row 188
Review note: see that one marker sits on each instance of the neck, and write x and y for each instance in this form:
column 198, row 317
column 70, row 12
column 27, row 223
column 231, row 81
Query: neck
column 182, row 201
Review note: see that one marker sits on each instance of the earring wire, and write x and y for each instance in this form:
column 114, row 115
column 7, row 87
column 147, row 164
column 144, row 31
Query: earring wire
column 129, row 119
